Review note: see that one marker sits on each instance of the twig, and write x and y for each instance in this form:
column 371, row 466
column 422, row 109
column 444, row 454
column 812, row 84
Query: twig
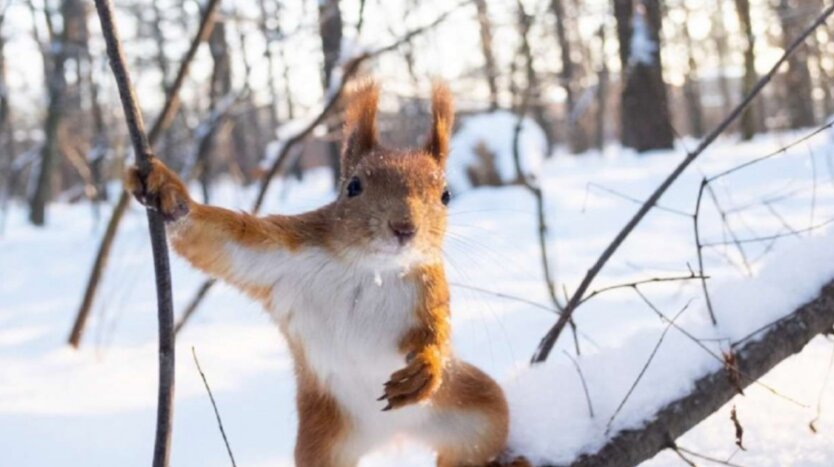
column 711, row 353
column 547, row 342
column 692, row 276
column 707, row 458
column 162, row 270
column 813, row 424
column 674, row 447
column 584, row 383
column 730, row 230
column 214, row 406
column 766, row 238
column 536, row 191
column 645, row 366
column 162, row 122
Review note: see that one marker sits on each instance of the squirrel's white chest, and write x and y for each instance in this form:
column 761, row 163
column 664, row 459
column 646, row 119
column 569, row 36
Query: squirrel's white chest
column 348, row 321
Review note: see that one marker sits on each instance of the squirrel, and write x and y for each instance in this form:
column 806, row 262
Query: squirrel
column 358, row 289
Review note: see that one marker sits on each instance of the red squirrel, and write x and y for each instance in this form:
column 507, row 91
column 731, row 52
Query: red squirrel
column 359, row 291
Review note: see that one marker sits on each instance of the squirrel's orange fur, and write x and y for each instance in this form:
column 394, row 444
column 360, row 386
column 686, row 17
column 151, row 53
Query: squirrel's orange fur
column 359, row 291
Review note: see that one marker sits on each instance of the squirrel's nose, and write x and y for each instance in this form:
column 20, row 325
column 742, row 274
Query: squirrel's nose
column 404, row 231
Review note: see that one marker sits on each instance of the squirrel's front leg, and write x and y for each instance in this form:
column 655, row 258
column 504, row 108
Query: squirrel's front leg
column 236, row 247
column 426, row 346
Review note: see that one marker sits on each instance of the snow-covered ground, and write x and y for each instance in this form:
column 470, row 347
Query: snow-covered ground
column 96, row 406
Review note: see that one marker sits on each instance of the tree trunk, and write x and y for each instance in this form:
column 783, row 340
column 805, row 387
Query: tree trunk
column 220, row 88
column 490, row 71
column 330, row 30
column 577, row 139
column 536, row 106
column 800, row 102
column 753, row 360
column 748, row 118
column 270, row 60
column 691, row 86
column 722, row 52
column 56, row 85
column 602, row 92
column 644, row 115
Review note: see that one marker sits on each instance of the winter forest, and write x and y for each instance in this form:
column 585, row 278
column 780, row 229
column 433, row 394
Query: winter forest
column 631, row 215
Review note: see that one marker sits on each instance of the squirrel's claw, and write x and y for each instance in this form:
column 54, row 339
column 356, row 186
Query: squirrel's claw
column 161, row 191
column 417, row 381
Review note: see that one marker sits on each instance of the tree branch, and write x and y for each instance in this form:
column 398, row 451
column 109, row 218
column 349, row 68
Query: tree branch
column 162, row 270
column 753, row 360
column 162, row 122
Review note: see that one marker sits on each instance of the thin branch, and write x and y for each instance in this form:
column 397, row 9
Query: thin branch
column 770, row 237
column 783, row 149
column 733, row 236
column 645, row 366
column 547, row 342
column 161, row 123
column 536, row 191
column 214, row 406
column 707, row 458
column 584, row 383
column 692, row 276
column 162, row 270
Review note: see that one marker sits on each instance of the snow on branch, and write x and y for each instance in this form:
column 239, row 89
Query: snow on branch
column 786, row 337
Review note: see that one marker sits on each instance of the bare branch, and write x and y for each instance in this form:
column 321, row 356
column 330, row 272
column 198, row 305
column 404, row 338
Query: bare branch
column 214, row 406
column 161, row 123
column 162, row 270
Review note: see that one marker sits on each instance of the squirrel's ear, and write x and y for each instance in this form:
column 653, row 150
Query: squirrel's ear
column 360, row 134
column 443, row 119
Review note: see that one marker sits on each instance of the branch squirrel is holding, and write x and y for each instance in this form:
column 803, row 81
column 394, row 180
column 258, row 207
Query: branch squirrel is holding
column 359, row 291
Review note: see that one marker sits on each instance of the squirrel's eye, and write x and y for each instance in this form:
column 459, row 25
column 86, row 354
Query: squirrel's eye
column 445, row 197
column 354, row 187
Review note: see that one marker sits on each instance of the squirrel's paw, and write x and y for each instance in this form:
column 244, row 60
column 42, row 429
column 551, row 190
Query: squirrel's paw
column 162, row 191
column 417, row 381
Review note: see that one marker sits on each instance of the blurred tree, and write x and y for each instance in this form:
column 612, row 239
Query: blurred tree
column 330, row 30
column 722, row 53
column 644, row 114
column 602, row 90
column 490, row 71
column 748, row 118
column 691, row 84
column 74, row 17
column 794, row 16
column 269, row 35
column 534, row 89
column 577, row 139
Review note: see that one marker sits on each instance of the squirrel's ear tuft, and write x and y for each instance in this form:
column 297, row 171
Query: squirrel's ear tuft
column 360, row 133
column 443, row 119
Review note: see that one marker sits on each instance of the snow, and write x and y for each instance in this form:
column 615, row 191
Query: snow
column 496, row 131
column 96, row 406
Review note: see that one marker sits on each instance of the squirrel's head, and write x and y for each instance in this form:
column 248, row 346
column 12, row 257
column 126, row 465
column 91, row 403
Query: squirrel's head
column 391, row 207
